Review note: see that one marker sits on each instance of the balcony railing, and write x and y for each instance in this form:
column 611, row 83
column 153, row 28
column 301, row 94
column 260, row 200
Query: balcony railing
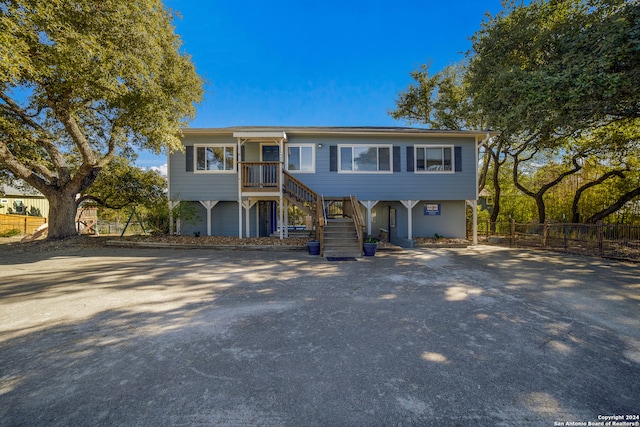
column 260, row 176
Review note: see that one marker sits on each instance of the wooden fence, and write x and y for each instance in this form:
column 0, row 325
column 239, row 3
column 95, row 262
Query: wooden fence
column 23, row 223
column 615, row 241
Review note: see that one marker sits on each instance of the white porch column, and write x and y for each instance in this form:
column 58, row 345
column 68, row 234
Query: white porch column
column 208, row 205
column 409, row 204
column 239, row 172
column 247, row 205
column 369, row 204
column 281, row 184
column 286, row 219
column 172, row 206
column 474, row 225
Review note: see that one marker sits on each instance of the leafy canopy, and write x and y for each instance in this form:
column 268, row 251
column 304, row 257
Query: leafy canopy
column 82, row 81
column 558, row 67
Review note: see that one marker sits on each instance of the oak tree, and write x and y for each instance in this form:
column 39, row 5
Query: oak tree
column 81, row 81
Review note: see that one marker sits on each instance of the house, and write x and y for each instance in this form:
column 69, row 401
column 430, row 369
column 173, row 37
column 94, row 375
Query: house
column 22, row 200
column 405, row 182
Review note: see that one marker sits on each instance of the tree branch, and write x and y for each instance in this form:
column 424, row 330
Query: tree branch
column 45, row 140
column 19, row 169
column 101, row 202
column 575, row 215
column 615, row 206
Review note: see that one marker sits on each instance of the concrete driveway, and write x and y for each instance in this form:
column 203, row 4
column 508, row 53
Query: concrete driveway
column 481, row 336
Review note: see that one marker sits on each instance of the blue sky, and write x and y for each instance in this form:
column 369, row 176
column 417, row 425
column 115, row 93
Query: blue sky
column 320, row 63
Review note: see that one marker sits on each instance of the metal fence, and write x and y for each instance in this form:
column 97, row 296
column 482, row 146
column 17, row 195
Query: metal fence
column 615, row 241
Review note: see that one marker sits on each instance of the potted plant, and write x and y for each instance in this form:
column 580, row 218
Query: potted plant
column 370, row 245
column 313, row 246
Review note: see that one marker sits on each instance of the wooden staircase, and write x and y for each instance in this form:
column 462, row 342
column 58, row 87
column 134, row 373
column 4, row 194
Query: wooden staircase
column 341, row 239
column 344, row 235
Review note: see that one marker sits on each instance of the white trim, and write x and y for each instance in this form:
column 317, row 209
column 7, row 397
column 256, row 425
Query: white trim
column 341, row 146
column 301, row 145
column 259, row 135
column 369, row 204
column 208, row 205
column 409, row 204
column 208, row 171
column 434, row 171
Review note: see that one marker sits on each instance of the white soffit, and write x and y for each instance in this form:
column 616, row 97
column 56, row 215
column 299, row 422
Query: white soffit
column 261, row 135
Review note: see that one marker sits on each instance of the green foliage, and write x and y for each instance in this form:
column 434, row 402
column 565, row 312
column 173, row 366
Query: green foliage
column 558, row 67
column 10, row 233
column 561, row 81
column 82, row 80
column 441, row 100
column 33, row 211
column 122, row 184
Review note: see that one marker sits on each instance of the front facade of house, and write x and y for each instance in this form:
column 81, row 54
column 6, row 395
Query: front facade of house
column 408, row 182
column 23, row 201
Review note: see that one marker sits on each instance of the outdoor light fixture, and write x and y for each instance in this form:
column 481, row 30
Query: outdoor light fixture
column 319, row 145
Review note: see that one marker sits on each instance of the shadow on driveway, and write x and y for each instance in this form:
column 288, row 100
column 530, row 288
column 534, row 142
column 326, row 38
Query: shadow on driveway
column 480, row 336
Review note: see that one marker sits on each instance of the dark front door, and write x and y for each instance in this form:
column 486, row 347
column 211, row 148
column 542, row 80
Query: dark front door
column 268, row 212
column 270, row 153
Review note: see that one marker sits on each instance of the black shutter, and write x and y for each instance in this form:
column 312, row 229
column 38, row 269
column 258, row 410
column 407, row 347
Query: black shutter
column 458, row 158
column 242, row 152
column 410, row 159
column 333, row 158
column 189, row 158
column 396, row 159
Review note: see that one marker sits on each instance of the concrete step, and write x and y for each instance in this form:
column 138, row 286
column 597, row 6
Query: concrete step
column 341, row 254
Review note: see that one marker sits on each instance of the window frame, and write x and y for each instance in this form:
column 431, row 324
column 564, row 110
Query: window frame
column 377, row 146
column 301, row 145
column 19, row 206
column 441, row 147
column 219, row 145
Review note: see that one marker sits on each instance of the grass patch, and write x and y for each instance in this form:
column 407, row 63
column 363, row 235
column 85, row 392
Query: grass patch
column 10, row 233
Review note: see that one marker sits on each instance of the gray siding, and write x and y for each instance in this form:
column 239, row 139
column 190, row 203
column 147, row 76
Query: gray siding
column 398, row 185
column 401, row 185
column 201, row 186
column 224, row 220
column 450, row 223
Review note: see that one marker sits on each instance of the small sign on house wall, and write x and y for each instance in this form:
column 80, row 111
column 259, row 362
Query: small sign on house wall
column 432, row 208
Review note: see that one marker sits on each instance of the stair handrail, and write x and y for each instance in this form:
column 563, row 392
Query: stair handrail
column 303, row 195
column 321, row 222
column 358, row 219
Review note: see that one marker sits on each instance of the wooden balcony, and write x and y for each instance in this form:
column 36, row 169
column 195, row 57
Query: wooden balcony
column 261, row 176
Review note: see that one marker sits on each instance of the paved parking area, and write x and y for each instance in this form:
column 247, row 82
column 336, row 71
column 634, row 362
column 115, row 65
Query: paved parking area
column 481, row 336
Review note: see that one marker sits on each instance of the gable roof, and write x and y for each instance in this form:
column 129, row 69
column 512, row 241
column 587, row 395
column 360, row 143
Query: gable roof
column 22, row 191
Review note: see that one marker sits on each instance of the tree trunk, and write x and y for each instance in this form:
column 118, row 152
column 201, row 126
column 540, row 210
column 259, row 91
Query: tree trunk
column 542, row 214
column 575, row 214
column 62, row 215
column 619, row 204
column 496, row 192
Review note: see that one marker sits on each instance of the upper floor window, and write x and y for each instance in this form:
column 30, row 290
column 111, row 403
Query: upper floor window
column 430, row 158
column 215, row 158
column 301, row 158
column 365, row 158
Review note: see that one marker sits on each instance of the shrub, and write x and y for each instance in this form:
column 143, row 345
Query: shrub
column 10, row 233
